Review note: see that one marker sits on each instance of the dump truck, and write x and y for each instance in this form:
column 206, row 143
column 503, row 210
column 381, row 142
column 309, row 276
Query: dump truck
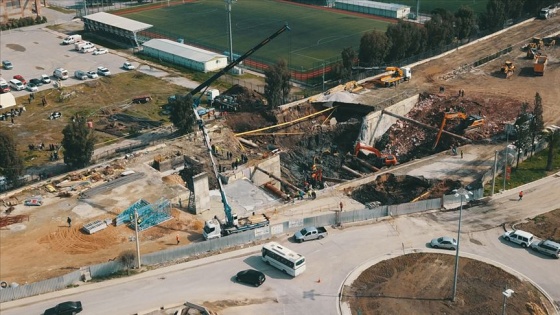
column 215, row 228
column 310, row 233
column 540, row 65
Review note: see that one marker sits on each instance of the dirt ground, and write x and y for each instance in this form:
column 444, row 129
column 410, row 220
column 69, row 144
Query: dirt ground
column 544, row 226
column 421, row 284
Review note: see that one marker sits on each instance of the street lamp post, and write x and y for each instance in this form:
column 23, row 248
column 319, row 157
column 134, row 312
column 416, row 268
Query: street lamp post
column 463, row 193
column 323, row 77
column 507, row 294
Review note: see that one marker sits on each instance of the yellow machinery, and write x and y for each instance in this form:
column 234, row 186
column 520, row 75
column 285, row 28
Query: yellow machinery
column 397, row 76
column 469, row 122
column 508, row 68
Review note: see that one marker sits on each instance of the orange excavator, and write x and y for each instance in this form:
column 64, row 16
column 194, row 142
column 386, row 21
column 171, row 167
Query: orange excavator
column 385, row 159
column 468, row 122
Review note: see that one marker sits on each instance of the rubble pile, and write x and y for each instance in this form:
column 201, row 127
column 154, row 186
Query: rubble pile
column 409, row 140
column 249, row 100
column 389, row 189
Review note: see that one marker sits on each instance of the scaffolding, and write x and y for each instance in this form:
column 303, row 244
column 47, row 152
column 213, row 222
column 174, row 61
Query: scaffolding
column 149, row 214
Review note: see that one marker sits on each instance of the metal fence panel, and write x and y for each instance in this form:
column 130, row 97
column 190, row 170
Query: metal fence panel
column 41, row 287
column 363, row 214
column 105, row 269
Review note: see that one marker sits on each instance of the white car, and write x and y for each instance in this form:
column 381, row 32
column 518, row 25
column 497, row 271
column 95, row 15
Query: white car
column 128, row 66
column 100, row 51
column 102, row 71
column 91, row 74
column 45, row 78
column 31, row 87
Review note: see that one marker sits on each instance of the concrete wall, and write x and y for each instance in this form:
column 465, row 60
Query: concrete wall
column 271, row 165
column 373, row 128
column 201, row 193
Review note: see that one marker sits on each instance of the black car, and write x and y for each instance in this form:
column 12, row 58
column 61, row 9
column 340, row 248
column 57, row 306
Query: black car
column 251, row 276
column 36, row 82
column 65, row 308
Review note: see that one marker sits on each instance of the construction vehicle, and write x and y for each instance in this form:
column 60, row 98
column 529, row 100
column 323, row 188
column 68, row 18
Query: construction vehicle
column 508, row 68
column 539, row 65
column 397, row 76
column 381, row 159
column 216, row 228
column 468, row 122
column 533, row 53
column 537, row 43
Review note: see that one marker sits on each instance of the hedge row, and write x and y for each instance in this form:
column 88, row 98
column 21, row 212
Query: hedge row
column 24, row 21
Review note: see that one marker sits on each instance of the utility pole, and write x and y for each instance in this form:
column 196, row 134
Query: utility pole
column 505, row 157
column 137, row 239
column 323, row 76
column 494, row 172
column 464, row 194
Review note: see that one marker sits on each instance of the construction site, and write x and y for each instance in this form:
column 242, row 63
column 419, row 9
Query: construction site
column 266, row 158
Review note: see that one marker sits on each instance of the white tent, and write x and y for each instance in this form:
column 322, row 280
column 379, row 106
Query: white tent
column 7, row 100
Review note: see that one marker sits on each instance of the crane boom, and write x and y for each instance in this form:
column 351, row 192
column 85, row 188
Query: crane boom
column 227, row 208
column 238, row 60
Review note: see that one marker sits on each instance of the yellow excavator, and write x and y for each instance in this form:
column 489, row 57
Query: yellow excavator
column 468, row 122
column 508, row 68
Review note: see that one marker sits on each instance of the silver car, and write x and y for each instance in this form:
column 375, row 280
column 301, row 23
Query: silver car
column 444, row 242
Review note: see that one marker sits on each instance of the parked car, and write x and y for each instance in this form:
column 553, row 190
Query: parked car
column 65, row 308
column 7, row 65
column 128, row 66
column 104, row 72
column 80, row 75
column 33, row 202
column 20, row 79
column 36, row 82
column 86, row 50
column 444, row 242
column 4, row 87
column 519, row 237
column 45, row 78
column 310, row 233
column 251, row 276
column 31, row 87
column 100, row 51
column 91, row 74
column 55, row 115
column 547, row 247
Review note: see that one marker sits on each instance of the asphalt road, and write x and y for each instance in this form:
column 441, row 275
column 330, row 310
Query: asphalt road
column 330, row 260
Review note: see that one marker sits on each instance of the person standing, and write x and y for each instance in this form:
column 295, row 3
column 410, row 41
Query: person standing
column 341, row 205
column 520, row 195
column 69, row 221
column 461, row 153
column 177, row 238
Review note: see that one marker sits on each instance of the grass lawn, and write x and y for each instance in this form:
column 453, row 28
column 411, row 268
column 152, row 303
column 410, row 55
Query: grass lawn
column 316, row 35
column 530, row 170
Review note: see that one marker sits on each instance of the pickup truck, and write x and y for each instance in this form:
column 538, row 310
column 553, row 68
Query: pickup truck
column 310, row 233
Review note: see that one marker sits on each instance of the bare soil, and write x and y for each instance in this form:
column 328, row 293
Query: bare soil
column 544, row 226
column 421, row 284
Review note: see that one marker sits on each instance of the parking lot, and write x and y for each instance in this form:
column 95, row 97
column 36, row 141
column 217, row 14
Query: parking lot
column 34, row 52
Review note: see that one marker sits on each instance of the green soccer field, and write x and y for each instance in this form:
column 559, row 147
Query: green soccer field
column 316, row 35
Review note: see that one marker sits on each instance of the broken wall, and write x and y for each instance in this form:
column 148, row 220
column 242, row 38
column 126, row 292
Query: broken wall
column 201, row 193
column 271, row 165
column 373, row 128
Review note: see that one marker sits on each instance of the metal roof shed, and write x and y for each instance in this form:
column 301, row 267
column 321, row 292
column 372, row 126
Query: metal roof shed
column 114, row 26
column 391, row 10
column 184, row 55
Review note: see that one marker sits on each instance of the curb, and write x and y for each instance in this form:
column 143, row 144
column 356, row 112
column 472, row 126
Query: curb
column 343, row 308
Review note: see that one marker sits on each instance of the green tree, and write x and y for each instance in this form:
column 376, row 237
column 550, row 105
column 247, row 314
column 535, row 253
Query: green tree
column 182, row 113
column 465, row 22
column 78, row 142
column 277, row 83
column 128, row 258
column 523, row 131
column 440, row 31
column 537, row 121
column 374, row 47
column 552, row 136
column 495, row 15
column 405, row 40
column 348, row 58
column 11, row 164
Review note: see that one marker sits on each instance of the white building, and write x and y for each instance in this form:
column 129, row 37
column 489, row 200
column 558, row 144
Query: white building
column 390, row 10
column 184, row 55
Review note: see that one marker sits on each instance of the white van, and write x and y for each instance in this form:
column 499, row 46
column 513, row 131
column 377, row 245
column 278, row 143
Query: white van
column 16, row 85
column 60, row 73
column 519, row 237
column 72, row 39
